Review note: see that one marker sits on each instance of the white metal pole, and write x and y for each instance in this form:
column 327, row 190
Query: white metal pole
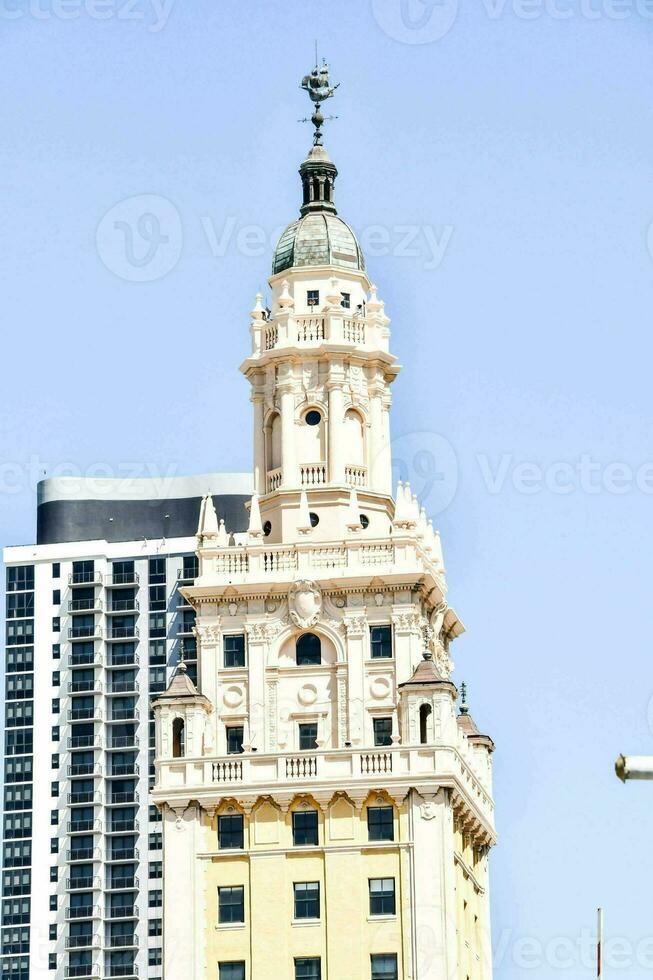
column 599, row 942
column 634, row 767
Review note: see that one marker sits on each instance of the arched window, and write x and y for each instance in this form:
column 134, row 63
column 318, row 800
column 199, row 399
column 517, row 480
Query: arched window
column 274, row 442
column 353, row 438
column 178, row 739
column 308, row 649
column 424, row 715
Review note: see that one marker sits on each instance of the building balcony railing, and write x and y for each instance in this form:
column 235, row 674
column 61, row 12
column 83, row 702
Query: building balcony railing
column 82, row 971
column 83, row 942
column 185, row 575
column 84, row 826
column 117, row 799
column 123, row 714
column 122, row 687
column 123, row 659
column 85, row 578
column 84, row 769
column 347, row 560
column 123, row 827
column 122, row 942
column 85, row 714
column 122, row 912
column 129, row 972
column 83, row 854
column 84, row 912
column 116, row 579
column 122, row 741
column 74, row 799
column 211, row 778
column 123, row 606
column 85, row 883
column 84, row 742
column 123, row 633
column 126, row 883
column 85, row 632
column 123, row 854
column 330, row 327
column 85, row 605
column 80, row 658
column 80, row 687
column 128, row 769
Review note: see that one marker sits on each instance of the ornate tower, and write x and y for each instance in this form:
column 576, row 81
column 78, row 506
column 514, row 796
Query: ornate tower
column 326, row 815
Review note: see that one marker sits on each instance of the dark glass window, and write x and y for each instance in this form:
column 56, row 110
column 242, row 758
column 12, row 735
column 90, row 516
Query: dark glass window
column 382, row 731
column 230, row 831
column 157, row 597
column 313, row 417
column 191, row 567
column 384, row 966
column 304, row 827
column 157, row 624
column 345, row 300
column 308, row 969
column 231, row 904
column 380, row 823
column 20, row 579
column 154, row 957
column 83, row 572
column 155, row 927
column 20, row 605
column 155, row 899
column 308, row 649
column 20, row 632
column 231, row 971
column 157, row 571
column 312, row 297
column 18, row 770
column 56, row 597
column 381, row 642
column 308, row 736
column 234, row 650
column 382, row 896
column 307, row 900
column 19, row 659
column 235, row 735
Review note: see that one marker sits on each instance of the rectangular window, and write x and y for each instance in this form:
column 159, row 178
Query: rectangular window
column 381, row 642
column 155, row 927
column 157, row 571
column 20, row 632
column 307, row 900
column 307, row 736
column 155, row 869
column 56, row 651
column 231, row 832
column 304, row 827
column 56, row 597
column 234, row 650
column 313, row 297
column 157, row 625
column 18, row 770
column 155, row 842
column 157, row 597
column 235, row 735
column 190, row 568
column 382, row 896
column 20, row 579
column 231, row 904
column 382, row 731
column 384, row 967
column 155, row 899
column 231, row 971
column 56, row 570
column 20, row 605
column 345, row 300
column 380, row 823
column 19, row 659
column 308, row 969
column 83, row 572
column 154, row 957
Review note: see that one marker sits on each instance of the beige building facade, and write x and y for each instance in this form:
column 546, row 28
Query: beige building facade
column 327, row 811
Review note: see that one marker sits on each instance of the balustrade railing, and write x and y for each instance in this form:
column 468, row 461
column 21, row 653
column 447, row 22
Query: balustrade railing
column 356, row 476
column 313, row 474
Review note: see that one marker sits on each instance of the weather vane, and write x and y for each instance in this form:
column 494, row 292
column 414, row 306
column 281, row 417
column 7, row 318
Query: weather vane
column 319, row 89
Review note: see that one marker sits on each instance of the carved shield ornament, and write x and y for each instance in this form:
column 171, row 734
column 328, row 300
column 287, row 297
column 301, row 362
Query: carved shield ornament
column 304, row 603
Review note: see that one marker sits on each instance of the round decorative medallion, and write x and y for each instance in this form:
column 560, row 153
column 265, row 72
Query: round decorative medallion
column 233, row 608
column 339, row 602
column 380, row 688
column 307, row 694
column 233, row 696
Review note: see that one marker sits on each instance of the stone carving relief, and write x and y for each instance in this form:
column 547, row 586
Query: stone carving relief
column 304, row 603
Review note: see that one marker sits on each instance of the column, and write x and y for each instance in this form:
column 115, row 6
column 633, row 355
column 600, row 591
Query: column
column 378, row 480
column 260, row 465
column 288, row 446
column 184, row 937
column 336, row 433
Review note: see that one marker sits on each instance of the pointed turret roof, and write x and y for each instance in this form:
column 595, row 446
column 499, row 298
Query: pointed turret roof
column 468, row 726
column 427, row 674
column 180, row 688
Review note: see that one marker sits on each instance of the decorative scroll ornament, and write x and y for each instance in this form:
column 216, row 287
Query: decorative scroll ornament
column 355, row 625
column 208, row 634
column 304, row 603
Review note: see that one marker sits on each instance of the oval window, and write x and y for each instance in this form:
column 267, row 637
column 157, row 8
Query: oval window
column 313, row 417
column 315, row 520
column 364, row 519
column 267, row 529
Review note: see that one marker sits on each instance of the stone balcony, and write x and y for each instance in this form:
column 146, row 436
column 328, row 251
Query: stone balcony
column 287, row 330
column 325, row 772
column 403, row 559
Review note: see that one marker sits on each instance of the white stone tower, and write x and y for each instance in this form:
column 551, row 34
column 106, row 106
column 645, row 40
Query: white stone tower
column 326, row 758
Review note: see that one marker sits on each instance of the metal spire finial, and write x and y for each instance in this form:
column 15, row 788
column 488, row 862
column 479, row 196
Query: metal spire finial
column 463, row 699
column 319, row 90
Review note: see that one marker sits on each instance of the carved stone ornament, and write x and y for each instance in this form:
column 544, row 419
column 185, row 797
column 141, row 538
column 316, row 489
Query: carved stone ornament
column 304, row 603
column 428, row 810
column 208, row 634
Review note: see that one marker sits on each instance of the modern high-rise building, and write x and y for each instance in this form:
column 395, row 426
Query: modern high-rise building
column 95, row 623
column 327, row 812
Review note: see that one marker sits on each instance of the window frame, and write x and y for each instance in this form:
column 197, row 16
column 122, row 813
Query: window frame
column 231, row 903
column 378, row 643
column 304, row 903
column 382, row 897
column 378, row 824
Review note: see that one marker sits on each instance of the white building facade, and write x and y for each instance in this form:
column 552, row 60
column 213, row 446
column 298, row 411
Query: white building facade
column 323, row 698
column 95, row 624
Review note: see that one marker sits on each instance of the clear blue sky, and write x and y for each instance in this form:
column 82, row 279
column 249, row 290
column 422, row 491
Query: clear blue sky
column 520, row 140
